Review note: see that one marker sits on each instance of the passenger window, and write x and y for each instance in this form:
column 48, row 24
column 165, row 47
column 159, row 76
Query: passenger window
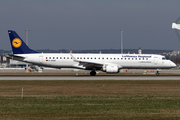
column 49, row 57
column 87, row 57
column 60, row 57
column 114, row 58
column 46, row 57
column 56, row 57
column 128, row 58
column 103, row 58
column 121, row 58
column 139, row 58
column 132, row 58
column 67, row 57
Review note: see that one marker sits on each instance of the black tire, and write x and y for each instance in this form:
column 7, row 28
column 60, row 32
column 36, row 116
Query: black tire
column 93, row 73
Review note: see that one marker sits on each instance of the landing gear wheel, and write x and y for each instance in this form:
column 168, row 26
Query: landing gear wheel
column 157, row 73
column 93, row 73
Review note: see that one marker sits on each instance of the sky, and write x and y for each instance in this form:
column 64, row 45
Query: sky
column 91, row 24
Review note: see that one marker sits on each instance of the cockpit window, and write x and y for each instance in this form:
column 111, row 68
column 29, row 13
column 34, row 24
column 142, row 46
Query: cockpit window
column 163, row 58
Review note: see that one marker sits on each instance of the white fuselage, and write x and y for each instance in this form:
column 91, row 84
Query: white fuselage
column 129, row 61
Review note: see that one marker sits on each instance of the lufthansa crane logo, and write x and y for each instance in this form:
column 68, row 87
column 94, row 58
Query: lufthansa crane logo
column 16, row 42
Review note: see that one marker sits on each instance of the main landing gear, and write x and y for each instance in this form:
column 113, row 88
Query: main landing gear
column 93, row 73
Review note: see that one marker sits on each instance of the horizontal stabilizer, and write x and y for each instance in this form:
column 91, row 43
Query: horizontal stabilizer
column 175, row 26
column 14, row 57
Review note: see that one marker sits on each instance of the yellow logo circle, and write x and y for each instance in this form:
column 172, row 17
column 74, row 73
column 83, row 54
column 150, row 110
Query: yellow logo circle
column 16, row 42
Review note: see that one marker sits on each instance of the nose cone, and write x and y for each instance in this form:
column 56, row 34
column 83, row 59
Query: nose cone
column 173, row 65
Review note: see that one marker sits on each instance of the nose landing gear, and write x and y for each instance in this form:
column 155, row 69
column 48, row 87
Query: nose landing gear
column 157, row 72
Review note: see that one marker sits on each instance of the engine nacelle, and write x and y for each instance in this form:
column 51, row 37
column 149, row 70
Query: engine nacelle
column 111, row 69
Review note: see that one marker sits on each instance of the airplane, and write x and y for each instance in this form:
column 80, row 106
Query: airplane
column 175, row 26
column 109, row 63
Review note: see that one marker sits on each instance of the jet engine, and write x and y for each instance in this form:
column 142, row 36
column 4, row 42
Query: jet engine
column 111, row 69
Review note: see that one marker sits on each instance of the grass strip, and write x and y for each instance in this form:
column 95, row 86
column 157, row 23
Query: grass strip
column 90, row 100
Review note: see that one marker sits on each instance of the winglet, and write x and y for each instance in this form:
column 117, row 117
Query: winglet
column 75, row 60
column 18, row 45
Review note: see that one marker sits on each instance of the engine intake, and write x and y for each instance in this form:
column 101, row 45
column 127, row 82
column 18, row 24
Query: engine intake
column 111, row 69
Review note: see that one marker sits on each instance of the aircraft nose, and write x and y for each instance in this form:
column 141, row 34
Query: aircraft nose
column 173, row 65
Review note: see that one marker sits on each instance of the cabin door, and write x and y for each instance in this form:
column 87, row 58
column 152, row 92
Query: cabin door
column 40, row 58
column 155, row 60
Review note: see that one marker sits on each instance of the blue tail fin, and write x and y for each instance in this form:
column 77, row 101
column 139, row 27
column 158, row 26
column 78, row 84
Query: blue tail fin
column 18, row 45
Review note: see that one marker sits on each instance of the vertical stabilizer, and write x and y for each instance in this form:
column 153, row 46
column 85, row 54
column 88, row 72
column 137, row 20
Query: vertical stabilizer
column 18, row 45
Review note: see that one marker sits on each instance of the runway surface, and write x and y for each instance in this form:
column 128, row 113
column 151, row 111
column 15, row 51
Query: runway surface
column 90, row 78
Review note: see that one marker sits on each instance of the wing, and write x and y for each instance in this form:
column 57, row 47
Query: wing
column 87, row 64
column 90, row 64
